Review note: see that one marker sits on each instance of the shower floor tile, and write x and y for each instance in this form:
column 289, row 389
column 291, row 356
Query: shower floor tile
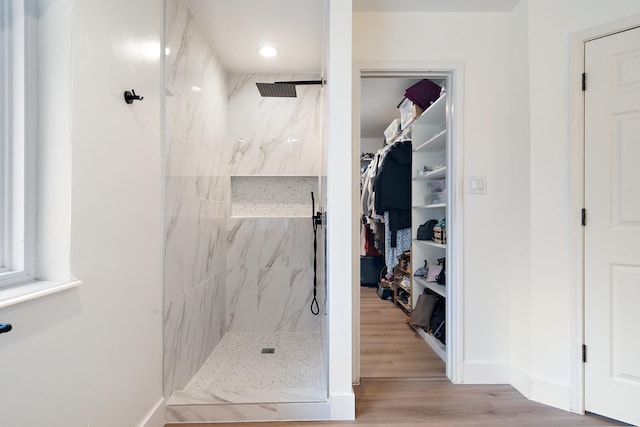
column 259, row 367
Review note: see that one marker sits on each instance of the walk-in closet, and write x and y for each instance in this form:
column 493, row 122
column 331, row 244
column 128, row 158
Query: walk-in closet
column 404, row 204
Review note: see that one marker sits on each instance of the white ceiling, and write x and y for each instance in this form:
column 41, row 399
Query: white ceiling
column 235, row 30
column 378, row 106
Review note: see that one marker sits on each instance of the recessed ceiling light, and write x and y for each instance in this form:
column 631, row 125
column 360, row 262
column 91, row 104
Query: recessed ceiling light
column 268, row 51
column 196, row 89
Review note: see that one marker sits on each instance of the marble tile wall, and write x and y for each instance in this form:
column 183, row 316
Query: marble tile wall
column 196, row 199
column 275, row 136
column 269, row 259
column 270, row 281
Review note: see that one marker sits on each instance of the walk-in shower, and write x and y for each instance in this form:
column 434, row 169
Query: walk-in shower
column 241, row 269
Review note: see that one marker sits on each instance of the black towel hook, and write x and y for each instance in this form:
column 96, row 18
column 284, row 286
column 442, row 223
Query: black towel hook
column 129, row 97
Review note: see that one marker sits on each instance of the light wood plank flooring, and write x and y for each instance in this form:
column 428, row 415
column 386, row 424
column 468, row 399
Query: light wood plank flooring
column 430, row 400
column 389, row 348
column 408, row 403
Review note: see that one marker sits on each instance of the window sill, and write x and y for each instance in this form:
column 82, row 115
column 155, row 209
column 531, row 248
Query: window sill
column 32, row 290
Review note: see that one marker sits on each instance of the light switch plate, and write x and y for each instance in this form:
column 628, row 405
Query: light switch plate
column 477, row 184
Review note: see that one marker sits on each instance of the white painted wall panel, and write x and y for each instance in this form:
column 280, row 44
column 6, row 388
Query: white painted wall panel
column 551, row 25
column 93, row 355
column 406, row 37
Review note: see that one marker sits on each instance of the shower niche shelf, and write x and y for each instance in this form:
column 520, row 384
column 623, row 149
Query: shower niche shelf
column 272, row 196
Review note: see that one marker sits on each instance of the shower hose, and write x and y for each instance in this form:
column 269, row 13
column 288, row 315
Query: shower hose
column 315, row 308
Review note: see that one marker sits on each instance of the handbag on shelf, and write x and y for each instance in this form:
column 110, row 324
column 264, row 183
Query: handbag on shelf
column 437, row 322
column 441, row 278
column 422, row 311
column 425, row 231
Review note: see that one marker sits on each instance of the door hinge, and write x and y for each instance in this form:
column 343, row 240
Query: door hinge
column 584, row 353
column 584, row 81
column 584, row 217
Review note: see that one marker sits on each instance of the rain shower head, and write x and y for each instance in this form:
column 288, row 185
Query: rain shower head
column 284, row 89
column 277, row 90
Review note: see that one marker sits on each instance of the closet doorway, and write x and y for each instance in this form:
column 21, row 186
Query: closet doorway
column 406, row 150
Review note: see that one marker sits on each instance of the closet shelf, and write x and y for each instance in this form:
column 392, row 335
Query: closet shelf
column 405, row 272
column 430, row 243
column 435, row 174
column 437, row 143
column 435, row 287
column 407, row 290
column 434, row 343
column 405, row 307
column 437, row 205
column 435, row 115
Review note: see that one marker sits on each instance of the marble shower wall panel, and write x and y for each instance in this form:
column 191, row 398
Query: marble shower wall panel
column 270, row 275
column 242, row 299
column 284, row 300
column 264, row 157
column 270, row 242
column 196, row 199
column 275, row 136
column 270, row 254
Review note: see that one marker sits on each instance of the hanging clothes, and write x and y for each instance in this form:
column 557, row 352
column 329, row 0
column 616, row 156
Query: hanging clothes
column 369, row 241
column 368, row 179
column 392, row 184
column 403, row 243
column 392, row 188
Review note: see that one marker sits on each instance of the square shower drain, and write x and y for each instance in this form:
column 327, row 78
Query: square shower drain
column 268, row 350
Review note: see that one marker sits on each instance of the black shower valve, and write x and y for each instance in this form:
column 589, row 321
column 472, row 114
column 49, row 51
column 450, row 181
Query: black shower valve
column 318, row 218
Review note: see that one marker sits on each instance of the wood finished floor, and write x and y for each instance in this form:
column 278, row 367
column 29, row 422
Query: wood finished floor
column 389, row 348
column 428, row 401
column 407, row 403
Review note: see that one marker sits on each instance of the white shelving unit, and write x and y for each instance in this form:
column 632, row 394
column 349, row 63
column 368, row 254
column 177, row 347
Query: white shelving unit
column 435, row 287
column 439, row 173
column 429, row 195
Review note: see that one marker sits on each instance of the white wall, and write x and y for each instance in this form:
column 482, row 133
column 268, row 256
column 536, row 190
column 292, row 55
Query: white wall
column 551, row 24
column 92, row 355
column 371, row 145
column 380, row 36
column 518, row 325
column 518, row 227
column 340, row 227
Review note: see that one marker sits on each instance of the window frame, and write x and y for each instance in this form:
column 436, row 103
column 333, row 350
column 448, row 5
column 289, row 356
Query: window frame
column 18, row 143
column 42, row 47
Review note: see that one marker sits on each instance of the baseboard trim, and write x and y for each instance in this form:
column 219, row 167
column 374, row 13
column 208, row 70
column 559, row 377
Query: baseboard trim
column 155, row 417
column 343, row 406
column 551, row 393
column 521, row 380
column 486, row 373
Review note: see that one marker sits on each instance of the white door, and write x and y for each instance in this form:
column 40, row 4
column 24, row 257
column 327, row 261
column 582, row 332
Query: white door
column 612, row 232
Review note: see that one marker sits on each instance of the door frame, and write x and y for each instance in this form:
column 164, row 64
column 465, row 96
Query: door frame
column 454, row 72
column 577, row 196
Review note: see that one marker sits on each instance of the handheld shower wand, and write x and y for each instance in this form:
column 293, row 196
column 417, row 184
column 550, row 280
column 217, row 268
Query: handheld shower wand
column 316, row 219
